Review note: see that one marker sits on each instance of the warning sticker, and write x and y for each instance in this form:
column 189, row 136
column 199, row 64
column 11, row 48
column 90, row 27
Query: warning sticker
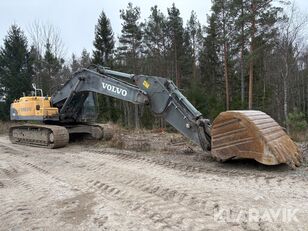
column 146, row 84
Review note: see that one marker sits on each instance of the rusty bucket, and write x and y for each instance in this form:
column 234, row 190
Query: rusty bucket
column 254, row 135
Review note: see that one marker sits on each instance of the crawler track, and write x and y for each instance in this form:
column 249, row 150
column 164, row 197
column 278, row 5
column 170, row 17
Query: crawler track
column 48, row 136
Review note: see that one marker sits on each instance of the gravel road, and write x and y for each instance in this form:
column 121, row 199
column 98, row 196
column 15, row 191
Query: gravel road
column 92, row 187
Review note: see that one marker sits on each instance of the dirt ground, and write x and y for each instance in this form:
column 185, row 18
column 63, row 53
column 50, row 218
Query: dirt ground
column 145, row 181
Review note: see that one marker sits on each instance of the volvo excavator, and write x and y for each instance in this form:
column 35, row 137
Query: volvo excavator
column 71, row 110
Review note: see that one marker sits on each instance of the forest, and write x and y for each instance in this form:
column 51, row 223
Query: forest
column 251, row 54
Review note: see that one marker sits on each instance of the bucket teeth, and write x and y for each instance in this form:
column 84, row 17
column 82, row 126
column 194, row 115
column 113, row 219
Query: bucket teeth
column 254, row 135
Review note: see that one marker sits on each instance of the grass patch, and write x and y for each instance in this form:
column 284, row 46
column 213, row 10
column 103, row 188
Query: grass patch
column 299, row 136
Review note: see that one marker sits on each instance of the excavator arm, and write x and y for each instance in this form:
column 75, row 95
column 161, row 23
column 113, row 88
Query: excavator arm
column 167, row 101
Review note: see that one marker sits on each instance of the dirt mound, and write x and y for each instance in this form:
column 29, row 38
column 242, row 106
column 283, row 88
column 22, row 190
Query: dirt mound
column 156, row 140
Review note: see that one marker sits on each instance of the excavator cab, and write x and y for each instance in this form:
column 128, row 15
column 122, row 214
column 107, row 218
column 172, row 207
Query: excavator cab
column 89, row 110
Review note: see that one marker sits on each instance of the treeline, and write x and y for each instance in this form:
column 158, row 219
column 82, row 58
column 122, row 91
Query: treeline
column 250, row 55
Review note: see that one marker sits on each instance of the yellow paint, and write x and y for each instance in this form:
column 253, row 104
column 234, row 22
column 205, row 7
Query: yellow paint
column 35, row 106
column 146, row 84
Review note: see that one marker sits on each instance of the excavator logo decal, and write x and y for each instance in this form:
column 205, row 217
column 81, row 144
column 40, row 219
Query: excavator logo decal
column 114, row 89
column 146, row 84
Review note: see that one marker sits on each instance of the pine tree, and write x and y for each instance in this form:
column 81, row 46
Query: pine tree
column 131, row 47
column 104, row 41
column 156, row 42
column 75, row 65
column 194, row 90
column 262, row 16
column 240, row 15
column 209, row 60
column 130, row 50
column 211, row 68
column 154, row 32
column 192, row 44
column 188, row 64
column 156, row 62
column 37, row 66
column 224, row 21
column 85, row 59
column 15, row 66
column 176, row 33
column 51, row 70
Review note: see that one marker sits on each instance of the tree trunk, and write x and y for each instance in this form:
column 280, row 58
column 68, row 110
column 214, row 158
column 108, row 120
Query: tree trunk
column 126, row 110
column 226, row 75
column 251, row 61
column 194, row 69
column 135, row 106
column 250, row 84
column 177, row 77
column 194, row 59
column 285, row 103
column 225, row 47
column 137, row 122
column 242, row 79
column 285, row 96
column 303, row 90
column 242, row 59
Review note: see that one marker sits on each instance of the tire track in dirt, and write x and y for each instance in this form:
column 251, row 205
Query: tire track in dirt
column 178, row 213
column 45, row 174
column 21, row 212
column 153, row 200
column 84, row 188
column 129, row 201
column 32, row 190
column 191, row 199
column 166, row 192
column 153, row 185
column 118, row 181
column 191, row 207
column 190, row 171
column 14, row 210
column 25, row 161
column 164, row 214
column 266, row 179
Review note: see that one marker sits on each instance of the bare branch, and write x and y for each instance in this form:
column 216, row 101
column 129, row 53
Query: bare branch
column 43, row 33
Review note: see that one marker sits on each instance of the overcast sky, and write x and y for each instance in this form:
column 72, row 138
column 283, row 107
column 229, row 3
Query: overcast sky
column 76, row 19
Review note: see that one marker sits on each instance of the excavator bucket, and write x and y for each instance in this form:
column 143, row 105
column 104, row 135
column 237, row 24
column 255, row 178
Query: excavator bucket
column 254, row 135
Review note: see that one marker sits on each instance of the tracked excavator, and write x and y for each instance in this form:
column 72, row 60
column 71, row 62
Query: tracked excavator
column 71, row 110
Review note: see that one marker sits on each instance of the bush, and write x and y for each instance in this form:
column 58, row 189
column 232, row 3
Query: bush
column 4, row 112
column 297, row 125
